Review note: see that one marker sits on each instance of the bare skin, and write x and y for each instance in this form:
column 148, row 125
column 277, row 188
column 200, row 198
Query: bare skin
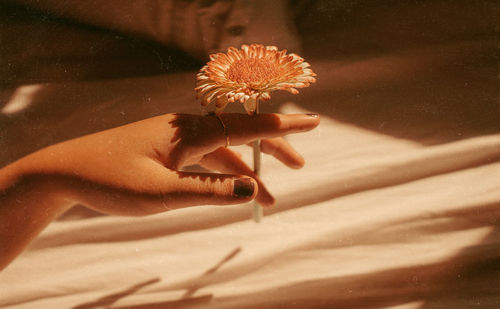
column 136, row 170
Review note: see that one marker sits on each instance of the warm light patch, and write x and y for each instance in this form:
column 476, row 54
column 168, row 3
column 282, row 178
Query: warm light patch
column 21, row 99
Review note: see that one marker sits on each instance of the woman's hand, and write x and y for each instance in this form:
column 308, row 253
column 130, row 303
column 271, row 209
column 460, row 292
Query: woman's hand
column 136, row 169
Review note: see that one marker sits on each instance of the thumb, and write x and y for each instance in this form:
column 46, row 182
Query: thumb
column 213, row 189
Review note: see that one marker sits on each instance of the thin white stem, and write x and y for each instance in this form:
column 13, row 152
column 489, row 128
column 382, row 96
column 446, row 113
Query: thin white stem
column 257, row 209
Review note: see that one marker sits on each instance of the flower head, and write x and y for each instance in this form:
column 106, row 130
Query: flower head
column 249, row 74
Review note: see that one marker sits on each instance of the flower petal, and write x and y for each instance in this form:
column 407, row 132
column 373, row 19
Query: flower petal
column 250, row 105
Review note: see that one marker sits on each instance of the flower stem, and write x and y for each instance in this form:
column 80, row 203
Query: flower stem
column 257, row 209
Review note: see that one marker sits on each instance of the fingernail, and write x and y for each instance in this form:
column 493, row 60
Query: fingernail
column 243, row 187
column 314, row 115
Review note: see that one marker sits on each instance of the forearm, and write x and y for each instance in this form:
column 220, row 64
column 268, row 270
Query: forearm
column 28, row 203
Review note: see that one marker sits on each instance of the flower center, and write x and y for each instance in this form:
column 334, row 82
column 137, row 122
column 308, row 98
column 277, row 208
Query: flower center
column 252, row 70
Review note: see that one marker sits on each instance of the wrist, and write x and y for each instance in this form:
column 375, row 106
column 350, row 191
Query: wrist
column 28, row 203
column 25, row 175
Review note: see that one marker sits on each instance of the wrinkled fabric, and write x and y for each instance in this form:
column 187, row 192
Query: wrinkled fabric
column 198, row 27
column 396, row 207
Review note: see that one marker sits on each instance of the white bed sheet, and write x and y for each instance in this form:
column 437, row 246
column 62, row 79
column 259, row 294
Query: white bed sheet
column 373, row 220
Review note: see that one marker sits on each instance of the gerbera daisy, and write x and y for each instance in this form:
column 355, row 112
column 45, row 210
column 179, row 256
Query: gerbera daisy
column 249, row 74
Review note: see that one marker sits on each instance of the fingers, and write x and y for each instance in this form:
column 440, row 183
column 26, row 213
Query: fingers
column 243, row 129
column 283, row 151
column 211, row 189
column 147, row 187
column 227, row 161
column 182, row 190
column 195, row 136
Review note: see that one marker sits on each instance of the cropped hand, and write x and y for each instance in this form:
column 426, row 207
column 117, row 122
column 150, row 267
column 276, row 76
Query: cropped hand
column 137, row 169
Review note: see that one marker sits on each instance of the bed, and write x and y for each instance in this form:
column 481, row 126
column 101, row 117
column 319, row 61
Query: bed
column 398, row 205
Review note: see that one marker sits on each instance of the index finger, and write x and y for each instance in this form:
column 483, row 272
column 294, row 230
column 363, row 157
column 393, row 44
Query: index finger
column 242, row 128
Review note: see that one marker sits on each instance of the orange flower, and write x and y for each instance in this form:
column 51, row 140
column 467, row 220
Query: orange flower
column 249, row 74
